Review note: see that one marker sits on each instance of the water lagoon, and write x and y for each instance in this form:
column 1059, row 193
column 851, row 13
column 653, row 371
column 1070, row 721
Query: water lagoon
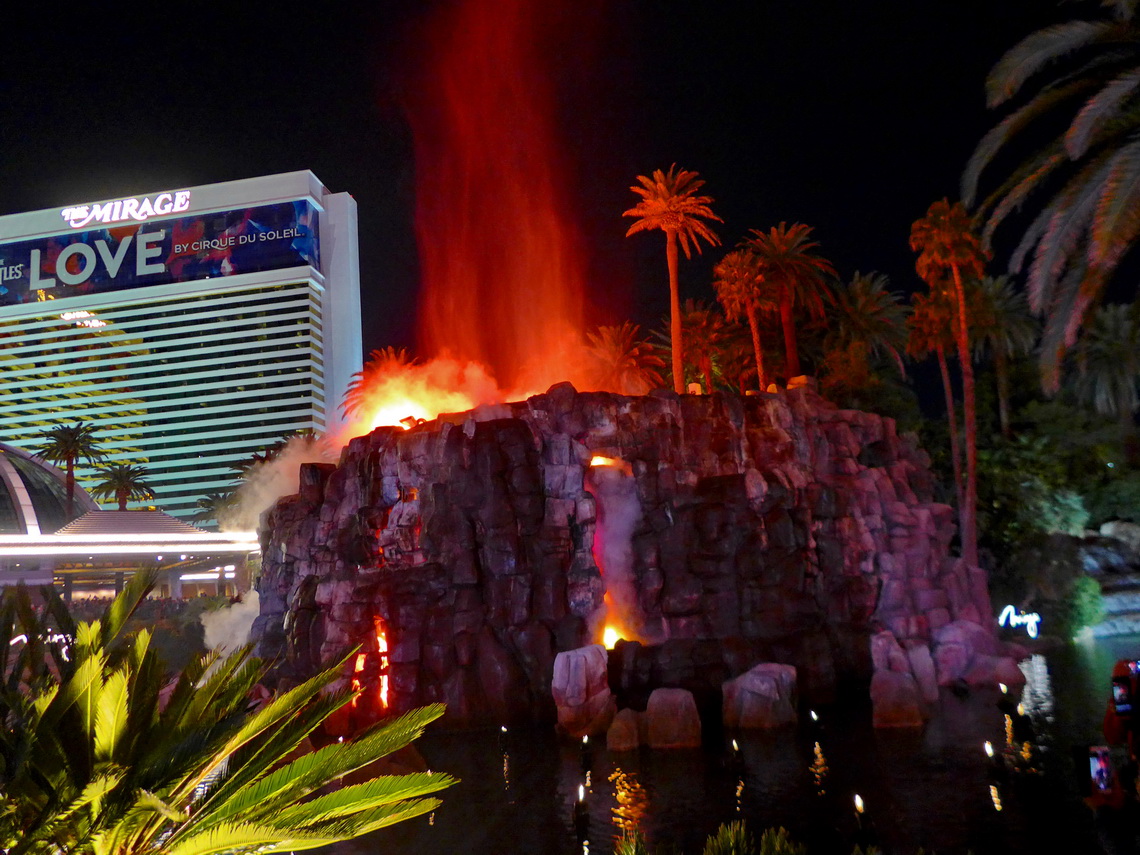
column 933, row 788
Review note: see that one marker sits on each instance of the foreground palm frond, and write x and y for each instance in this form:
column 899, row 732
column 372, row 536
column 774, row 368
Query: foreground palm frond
column 91, row 761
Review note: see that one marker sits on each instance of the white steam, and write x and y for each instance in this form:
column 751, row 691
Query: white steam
column 228, row 628
column 619, row 512
column 268, row 482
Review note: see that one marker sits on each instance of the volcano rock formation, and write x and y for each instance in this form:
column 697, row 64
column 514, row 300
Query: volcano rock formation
column 769, row 528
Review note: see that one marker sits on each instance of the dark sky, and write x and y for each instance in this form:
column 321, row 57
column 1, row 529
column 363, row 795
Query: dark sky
column 850, row 117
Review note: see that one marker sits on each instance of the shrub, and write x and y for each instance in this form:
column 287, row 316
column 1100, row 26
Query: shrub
column 631, row 843
column 99, row 754
column 732, row 838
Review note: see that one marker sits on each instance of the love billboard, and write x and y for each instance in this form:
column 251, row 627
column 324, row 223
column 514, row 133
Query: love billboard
column 160, row 251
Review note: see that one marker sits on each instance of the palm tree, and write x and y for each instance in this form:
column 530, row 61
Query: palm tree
column 790, row 267
column 379, row 364
column 867, row 312
column 69, row 444
column 669, row 202
column 1084, row 78
column 1003, row 328
column 931, row 325
column 738, row 358
column 704, row 330
column 739, row 287
column 1108, row 363
column 123, row 482
column 946, row 244
column 619, row 361
column 92, row 761
column 213, row 506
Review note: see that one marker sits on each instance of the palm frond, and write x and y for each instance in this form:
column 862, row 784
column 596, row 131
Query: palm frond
column 1098, row 110
column 1037, row 51
column 997, row 137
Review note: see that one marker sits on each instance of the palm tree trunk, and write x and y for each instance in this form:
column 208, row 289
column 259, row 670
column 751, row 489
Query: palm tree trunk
column 1001, row 368
column 791, row 352
column 706, row 369
column 70, row 488
column 754, row 325
column 969, row 508
column 122, row 497
column 952, row 419
column 675, row 312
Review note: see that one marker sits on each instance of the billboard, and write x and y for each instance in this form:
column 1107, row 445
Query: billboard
column 160, row 251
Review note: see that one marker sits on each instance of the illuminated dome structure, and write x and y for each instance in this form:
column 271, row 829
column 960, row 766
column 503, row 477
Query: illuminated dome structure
column 33, row 495
column 94, row 550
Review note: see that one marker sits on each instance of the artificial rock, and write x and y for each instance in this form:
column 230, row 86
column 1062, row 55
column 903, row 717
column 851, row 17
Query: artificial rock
column 767, row 528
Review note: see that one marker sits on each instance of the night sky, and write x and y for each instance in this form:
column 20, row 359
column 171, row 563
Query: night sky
column 850, row 117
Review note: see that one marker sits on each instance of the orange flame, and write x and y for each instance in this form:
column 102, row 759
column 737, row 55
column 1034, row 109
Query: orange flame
column 611, row 637
column 501, row 261
column 382, row 649
column 406, row 394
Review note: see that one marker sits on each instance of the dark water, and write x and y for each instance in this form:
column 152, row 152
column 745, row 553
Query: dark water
column 928, row 788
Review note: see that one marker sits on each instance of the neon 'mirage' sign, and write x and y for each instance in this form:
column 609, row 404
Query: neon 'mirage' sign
column 133, row 208
column 1015, row 617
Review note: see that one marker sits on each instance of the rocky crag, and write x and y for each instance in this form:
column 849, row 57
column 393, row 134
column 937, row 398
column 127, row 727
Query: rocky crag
column 774, row 528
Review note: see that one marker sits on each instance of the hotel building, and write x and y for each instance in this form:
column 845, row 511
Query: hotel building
column 191, row 327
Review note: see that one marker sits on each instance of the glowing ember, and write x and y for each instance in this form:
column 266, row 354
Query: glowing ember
column 611, row 637
column 598, row 460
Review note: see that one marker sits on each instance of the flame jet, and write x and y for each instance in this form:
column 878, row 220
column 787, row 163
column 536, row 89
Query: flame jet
column 500, row 257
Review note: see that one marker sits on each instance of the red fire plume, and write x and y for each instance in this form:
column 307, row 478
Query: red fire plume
column 500, row 257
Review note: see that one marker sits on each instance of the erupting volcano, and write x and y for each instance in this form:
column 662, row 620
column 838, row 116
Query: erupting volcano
column 499, row 254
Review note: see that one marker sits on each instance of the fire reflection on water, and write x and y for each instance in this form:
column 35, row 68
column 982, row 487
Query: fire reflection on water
column 819, row 770
column 632, row 800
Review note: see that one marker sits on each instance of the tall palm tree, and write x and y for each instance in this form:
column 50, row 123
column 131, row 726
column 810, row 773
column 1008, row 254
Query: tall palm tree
column 70, row 444
column 123, row 482
column 1083, row 78
column 790, row 267
column 931, row 325
column 618, row 360
column 380, row 363
column 91, row 761
column 948, row 248
column 669, row 202
column 739, row 288
column 1002, row 328
column 867, row 312
column 1108, row 363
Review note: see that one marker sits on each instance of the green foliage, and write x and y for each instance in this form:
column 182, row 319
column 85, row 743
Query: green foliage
column 632, row 842
column 1083, row 606
column 98, row 756
column 776, row 841
column 1116, row 497
column 733, row 838
column 854, row 378
column 1025, row 494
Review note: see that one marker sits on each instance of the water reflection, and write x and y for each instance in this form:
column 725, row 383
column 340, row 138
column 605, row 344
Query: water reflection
column 819, row 770
column 935, row 788
column 632, row 801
